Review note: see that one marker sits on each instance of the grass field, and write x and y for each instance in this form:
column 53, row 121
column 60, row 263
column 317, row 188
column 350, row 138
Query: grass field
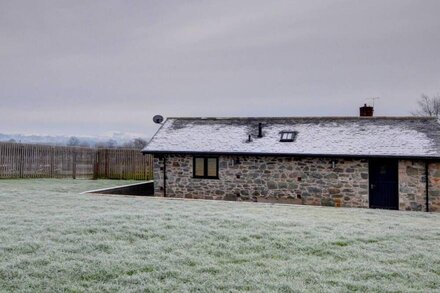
column 54, row 240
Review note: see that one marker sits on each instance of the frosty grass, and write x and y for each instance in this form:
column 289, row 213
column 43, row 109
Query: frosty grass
column 53, row 239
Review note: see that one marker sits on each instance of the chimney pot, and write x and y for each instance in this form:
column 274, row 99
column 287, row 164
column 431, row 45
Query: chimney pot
column 260, row 129
column 366, row 111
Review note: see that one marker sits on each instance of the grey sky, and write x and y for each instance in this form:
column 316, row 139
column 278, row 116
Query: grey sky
column 88, row 67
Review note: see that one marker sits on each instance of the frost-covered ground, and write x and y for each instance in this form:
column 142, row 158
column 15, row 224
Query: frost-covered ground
column 53, row 239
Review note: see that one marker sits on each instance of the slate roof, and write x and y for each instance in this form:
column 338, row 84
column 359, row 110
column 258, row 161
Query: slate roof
column 332, row 136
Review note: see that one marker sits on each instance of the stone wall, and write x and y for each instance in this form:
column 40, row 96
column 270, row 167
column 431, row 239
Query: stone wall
column 434, row 187
column 412, row 186
column 311, row 181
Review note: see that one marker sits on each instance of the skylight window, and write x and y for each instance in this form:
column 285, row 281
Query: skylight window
column 287, row 136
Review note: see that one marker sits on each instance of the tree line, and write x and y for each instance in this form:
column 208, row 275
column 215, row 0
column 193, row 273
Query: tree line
column 136, row 143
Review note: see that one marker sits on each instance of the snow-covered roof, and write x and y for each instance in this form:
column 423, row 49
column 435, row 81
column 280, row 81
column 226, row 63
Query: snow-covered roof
column 336, row 136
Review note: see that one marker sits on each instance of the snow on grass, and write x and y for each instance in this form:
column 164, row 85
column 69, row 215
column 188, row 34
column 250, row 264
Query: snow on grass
column 54, row 239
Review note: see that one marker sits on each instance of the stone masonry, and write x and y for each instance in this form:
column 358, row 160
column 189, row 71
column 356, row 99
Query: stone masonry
column 434, row 187
column 412, row 186
column 312, row 181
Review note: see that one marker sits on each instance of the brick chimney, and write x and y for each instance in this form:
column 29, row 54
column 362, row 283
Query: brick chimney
column 366, row 111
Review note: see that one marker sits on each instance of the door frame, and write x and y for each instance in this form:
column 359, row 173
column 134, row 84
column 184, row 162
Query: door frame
column 396, row 161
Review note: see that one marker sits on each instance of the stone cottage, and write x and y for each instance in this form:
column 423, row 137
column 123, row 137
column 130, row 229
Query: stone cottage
column 376, row 162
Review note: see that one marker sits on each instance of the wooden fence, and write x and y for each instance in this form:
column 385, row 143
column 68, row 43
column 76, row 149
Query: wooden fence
column 42, row 161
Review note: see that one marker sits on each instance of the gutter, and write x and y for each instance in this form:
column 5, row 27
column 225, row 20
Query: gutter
column 427, row 185
column 164, row 176
column 366, row 156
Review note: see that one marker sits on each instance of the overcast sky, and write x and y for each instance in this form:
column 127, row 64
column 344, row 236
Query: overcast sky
column 89, row 67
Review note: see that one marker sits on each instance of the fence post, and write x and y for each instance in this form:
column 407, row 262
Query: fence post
column 21, row 160
column 74, row 164
column 52, row 162
column 106, row 166
column 96, row 164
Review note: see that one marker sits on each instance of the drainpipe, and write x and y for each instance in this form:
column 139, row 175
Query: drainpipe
column 427, row 185
column 164, row 176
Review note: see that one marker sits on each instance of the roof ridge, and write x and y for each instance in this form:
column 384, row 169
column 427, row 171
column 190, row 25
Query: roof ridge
column 309, row 117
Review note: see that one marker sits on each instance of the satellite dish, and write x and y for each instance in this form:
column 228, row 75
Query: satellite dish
column 158, row 119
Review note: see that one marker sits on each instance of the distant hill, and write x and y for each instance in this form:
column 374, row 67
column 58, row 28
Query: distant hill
column 114, row 139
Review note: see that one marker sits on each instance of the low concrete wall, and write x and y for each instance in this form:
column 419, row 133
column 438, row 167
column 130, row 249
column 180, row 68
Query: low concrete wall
column 142, row 189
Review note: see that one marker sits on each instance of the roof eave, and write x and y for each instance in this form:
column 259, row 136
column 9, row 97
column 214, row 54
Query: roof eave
column 360, row 156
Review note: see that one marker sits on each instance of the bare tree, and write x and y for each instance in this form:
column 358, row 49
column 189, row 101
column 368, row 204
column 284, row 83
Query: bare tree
column 73, row 141
column 428, row 106
column 84, row 144
column 137, row 143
